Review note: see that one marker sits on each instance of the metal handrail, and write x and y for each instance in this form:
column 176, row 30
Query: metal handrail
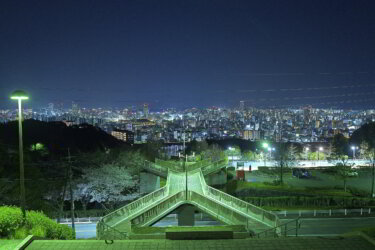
column 298, row 225
column 155, row 167
column 100, row 229
column 170, row 203
column 217, row 165
column 208, row 191
column 212, row 190
column 199, row 165
column 165, row 193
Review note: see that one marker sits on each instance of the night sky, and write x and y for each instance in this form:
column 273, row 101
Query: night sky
column 189, row 53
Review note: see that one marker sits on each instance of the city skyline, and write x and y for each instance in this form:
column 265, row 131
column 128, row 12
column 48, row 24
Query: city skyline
column 189, row 54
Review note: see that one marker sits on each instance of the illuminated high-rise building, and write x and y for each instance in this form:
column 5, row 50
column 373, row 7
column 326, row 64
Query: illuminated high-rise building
column 145, row 110
column 123, row 135
column 75, row 108
column 242, row 105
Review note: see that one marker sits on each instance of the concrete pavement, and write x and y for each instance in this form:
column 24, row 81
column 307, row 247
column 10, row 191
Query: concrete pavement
column 288, row 243
column 309, row 226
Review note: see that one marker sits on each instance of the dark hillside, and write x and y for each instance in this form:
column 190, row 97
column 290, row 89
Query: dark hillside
column 365, row 133
column 56, row 136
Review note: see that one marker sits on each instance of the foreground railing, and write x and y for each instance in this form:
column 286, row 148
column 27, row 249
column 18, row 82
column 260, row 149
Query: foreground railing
column 282, row 230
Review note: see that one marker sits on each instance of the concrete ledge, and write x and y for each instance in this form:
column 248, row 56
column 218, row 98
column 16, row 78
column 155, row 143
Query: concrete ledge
column 241, row 235
column 198, row 235
column 160, row 236
column 27, row 241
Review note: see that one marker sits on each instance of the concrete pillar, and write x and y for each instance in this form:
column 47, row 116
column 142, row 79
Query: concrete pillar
column 186, row 215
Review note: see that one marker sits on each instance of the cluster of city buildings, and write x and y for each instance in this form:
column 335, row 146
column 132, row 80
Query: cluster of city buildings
column 139, row 125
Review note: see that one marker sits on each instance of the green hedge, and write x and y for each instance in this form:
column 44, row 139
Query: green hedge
column 321, row 201
column 12, row 226
column 274, row 170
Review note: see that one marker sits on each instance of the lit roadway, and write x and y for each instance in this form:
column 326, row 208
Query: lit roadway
column 301, row 163
column 309, row 226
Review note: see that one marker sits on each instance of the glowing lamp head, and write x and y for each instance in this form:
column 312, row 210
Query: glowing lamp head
column 320, row 148
column 19, row 95
column 265, row 145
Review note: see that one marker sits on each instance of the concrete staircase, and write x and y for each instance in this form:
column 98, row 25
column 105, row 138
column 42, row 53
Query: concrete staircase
column 184, row 187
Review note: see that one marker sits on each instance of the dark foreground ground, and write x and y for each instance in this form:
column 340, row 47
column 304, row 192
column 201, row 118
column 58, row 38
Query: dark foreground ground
column 265, row 243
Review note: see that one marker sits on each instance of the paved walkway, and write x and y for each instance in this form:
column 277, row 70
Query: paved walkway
column 272, row 243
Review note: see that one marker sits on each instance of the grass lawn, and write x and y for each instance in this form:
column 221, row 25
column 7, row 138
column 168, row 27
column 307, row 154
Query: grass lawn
column 320, row 184
column 327, row 191
column 8, row 244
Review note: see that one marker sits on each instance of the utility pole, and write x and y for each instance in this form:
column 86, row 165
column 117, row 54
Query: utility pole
column 281, row 171
column 61, row 208
column 373, row 173
column 185, row 167
column 373, row 179
column 71, row 192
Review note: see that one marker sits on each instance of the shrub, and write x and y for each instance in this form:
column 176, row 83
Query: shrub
column 358, row 192
column 230, row 176
column 20, row 233
column 317, row 201
column 10, row 220
column 36, row 223
column 53, row 230
column 38, row 231
column 66, row 233
column 231, row 186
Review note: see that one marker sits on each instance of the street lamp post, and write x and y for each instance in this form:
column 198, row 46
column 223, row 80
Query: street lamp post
column 230, row 153
column 320, row 149
column 270, row 151
column 307, row 151
column 265, row 146
column 354, row 148
column 20, row 95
